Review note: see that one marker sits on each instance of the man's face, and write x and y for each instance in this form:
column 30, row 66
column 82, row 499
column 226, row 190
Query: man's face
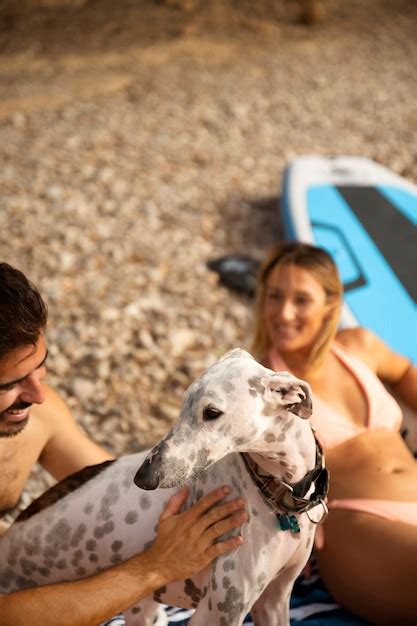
column 22, row 372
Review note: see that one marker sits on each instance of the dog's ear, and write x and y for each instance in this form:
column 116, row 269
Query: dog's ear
column 235, row 354
column 284, row 390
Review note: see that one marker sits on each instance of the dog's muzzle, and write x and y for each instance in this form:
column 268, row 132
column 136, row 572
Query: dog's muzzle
column 148, row 475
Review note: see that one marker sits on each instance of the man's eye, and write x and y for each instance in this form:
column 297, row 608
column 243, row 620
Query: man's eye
column 5, row 388
column 211, row 413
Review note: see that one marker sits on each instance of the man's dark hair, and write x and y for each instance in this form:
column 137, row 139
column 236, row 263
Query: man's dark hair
column 23, row 313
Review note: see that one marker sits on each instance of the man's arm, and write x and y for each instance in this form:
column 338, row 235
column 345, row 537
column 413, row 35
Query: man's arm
column 184, row 546
column 68, row 449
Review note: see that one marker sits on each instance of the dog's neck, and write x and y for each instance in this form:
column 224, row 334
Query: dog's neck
column 273, row 467
column 291, row 462
column 298, row 497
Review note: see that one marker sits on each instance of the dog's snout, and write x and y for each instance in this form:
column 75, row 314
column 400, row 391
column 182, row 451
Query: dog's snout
column 147, row 476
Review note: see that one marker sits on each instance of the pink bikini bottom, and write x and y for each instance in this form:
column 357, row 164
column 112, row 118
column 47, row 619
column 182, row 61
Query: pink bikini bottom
column 392, row 510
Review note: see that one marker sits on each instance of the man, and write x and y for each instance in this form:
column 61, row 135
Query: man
column 49, row 434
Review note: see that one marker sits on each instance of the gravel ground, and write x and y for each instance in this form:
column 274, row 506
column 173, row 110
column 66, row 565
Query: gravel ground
column 140, row 141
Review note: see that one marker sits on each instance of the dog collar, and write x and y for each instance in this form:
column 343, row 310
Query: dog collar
column 287, row 499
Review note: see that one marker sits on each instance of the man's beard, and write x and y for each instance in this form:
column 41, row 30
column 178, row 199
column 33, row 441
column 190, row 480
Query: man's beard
column 13, row 428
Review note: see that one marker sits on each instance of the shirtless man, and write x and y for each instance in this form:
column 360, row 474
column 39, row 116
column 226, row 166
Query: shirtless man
column 48, row 433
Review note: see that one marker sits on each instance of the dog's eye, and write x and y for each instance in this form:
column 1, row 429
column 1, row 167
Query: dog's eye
column 211, row 413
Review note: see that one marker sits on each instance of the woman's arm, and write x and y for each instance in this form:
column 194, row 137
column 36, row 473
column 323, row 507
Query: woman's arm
column 392, row 368
column 406, row 387
column 184, row 546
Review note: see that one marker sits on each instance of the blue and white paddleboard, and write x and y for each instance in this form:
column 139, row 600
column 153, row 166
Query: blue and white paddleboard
column 366, row 217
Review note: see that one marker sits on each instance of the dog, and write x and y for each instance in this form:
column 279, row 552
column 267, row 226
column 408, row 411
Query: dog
column 240, row 424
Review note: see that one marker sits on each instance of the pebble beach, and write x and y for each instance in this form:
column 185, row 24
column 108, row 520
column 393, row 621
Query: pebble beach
column 138, row 142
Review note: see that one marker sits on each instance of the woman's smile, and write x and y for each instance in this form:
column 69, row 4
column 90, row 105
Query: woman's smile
column 286, row 330
column 295, row 308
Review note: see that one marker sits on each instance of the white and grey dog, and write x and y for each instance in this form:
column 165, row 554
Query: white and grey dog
column 240, row 424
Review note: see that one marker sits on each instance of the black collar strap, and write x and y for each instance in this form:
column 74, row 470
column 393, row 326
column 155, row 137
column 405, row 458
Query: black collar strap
column 285, row 498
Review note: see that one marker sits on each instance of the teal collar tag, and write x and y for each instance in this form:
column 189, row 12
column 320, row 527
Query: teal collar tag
column 288, row 522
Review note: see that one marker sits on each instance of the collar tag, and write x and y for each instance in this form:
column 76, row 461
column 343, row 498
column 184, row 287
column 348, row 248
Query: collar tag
column 288, row 522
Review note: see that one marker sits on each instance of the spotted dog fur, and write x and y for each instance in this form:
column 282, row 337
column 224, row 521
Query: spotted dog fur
column 101, row 518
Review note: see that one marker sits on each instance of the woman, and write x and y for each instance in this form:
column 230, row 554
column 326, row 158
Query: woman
column 369, row 558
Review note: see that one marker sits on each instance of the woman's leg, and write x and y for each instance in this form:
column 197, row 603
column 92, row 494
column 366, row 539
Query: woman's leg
column 369, row 565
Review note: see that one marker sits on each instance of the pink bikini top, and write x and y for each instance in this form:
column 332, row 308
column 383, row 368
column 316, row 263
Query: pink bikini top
column 332, row 427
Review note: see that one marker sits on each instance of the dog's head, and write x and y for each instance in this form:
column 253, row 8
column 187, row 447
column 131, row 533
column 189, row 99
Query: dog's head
column 237, row 405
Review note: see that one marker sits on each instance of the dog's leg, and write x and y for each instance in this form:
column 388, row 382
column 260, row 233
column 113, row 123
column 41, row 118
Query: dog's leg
column 272, row 608
column 146, row 613
column 215, row 610
column 228, row 596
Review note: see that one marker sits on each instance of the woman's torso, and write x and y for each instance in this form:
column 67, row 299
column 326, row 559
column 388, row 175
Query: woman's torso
column 358, row 423
column 375, row 464
column 349, row 400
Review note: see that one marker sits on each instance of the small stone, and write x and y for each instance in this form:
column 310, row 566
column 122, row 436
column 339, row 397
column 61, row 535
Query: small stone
column 84, row 389
column 19, row 120
column 181, row 340
column 54, row 192
column 169, row 411
column 110, row 314
column 133, row 309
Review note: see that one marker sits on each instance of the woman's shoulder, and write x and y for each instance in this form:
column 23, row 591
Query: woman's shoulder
column 360, row 342
column 378, row 356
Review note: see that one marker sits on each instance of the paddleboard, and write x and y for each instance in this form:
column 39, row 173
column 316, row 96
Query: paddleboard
column 366, row 217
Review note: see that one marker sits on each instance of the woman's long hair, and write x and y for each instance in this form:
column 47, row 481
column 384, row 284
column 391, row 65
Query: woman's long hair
column 322, row 267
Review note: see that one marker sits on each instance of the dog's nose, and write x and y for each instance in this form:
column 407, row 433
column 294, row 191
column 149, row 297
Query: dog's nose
column 147, row 476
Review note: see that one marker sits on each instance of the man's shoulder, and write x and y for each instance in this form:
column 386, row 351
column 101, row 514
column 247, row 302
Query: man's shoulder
column 53, row 413
column 67, row 448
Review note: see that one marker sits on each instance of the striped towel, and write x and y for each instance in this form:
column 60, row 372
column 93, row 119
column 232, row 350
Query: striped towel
column 118, row 620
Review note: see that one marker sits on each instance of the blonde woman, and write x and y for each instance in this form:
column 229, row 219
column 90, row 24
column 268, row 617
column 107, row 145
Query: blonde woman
column 369, row 557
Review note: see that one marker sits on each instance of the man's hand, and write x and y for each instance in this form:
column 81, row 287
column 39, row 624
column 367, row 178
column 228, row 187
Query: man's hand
column 185, row 543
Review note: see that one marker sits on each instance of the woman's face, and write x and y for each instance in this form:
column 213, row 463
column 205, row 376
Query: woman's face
column 295, row 308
